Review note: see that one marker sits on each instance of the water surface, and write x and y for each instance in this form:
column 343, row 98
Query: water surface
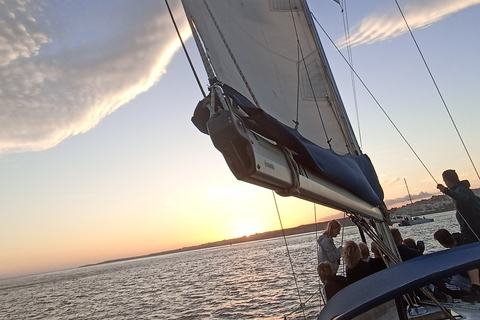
column 243, row 281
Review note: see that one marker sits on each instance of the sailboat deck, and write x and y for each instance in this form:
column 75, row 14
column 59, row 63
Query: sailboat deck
column 365, row 294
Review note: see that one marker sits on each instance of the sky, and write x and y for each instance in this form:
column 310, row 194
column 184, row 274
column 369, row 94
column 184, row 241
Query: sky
column 99, row 159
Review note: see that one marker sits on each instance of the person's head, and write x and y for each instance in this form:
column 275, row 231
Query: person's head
column 445, row 238
column 450, row 178
column 325, row 271
column 333, row 229
column 351, row 254
column 364, row 252
column 397, row 237
column 409, row 242
column 375, row 250
column 420, row 246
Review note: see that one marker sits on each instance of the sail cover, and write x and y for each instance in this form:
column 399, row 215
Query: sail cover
column 266, row 50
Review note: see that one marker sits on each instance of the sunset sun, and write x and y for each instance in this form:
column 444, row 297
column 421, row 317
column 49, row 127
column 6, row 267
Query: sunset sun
column 246, row 229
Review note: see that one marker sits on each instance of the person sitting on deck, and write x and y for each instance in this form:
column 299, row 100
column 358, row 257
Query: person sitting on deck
column 364, row 252
column 406, row 253
column 421, row 246
column 448, row 240
column 409, row 242
column 356, row 267
column 332, row 282
column 376, row 263
column 465, row 282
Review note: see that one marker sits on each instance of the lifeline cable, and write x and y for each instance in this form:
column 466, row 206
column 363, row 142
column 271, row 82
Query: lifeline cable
column 288, row 253
column 321, row 297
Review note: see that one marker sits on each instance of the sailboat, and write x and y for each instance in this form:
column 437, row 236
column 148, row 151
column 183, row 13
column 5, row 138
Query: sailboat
column 274, row 112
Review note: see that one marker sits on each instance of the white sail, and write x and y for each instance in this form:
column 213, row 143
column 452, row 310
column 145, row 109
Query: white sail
column 272, row 81
column 284, row 70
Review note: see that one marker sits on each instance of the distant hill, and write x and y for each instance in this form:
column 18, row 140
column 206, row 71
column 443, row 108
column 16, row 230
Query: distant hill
column 320, row 226
column 434, row 204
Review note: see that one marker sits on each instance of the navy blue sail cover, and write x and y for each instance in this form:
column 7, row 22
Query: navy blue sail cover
column 354, row 173
column 400, row 279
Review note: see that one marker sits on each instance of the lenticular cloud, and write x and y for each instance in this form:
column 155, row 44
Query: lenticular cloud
column 60, row 74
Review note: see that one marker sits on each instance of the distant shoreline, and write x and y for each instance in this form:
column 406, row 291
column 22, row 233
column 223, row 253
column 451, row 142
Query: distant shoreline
column 320, row 226
column 435, row 204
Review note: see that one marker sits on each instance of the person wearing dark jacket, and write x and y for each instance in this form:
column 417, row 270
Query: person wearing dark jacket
column 376, row 263
column 406, row 253
column 468, row 213
column 356, row 268
column 332, row 282
column 452, row 240
column 466, row 203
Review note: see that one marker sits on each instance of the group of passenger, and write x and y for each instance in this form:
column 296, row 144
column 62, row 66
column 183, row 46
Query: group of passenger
column 356, row 257
column 359, row 264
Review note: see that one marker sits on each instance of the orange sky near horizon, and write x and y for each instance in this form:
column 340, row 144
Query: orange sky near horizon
column 142, row 179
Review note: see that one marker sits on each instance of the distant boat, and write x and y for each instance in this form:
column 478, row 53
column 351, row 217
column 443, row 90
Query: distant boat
column 398, row 219
column 413, row 220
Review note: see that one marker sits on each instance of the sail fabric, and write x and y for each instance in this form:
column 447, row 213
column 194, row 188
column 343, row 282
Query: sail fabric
column 354, row 173
column 265, row 53
column 272, row 44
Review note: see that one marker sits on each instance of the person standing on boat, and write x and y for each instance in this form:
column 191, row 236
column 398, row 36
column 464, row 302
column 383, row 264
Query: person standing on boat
column 466, row 203
column 327, row 251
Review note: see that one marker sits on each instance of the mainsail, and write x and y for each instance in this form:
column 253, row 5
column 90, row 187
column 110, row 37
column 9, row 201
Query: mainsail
column 274, row 110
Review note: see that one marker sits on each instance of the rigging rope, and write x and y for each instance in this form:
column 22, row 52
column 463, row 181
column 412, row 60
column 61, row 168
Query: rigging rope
column 444, row 104
column 375, row 100
column 308, row 74
column 289, row 256
column 437, row 88
column 232, row 56
column 185, row 49
column 346, row 28
column 320, row 296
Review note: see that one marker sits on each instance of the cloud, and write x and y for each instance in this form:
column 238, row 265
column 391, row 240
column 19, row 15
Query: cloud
column 391, row 182
column 389, row 23
column 18, row 37
column 64, row 66
column 405, row 199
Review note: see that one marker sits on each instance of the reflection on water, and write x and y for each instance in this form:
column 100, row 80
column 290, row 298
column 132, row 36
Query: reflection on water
column 245, row 281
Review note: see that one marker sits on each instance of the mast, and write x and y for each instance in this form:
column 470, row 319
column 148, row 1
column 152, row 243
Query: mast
column 406, row 185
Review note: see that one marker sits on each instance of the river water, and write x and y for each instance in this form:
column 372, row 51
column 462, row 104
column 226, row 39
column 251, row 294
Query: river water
column 243, row 281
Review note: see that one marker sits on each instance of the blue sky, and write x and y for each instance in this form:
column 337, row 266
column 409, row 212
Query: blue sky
column 99, row 159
